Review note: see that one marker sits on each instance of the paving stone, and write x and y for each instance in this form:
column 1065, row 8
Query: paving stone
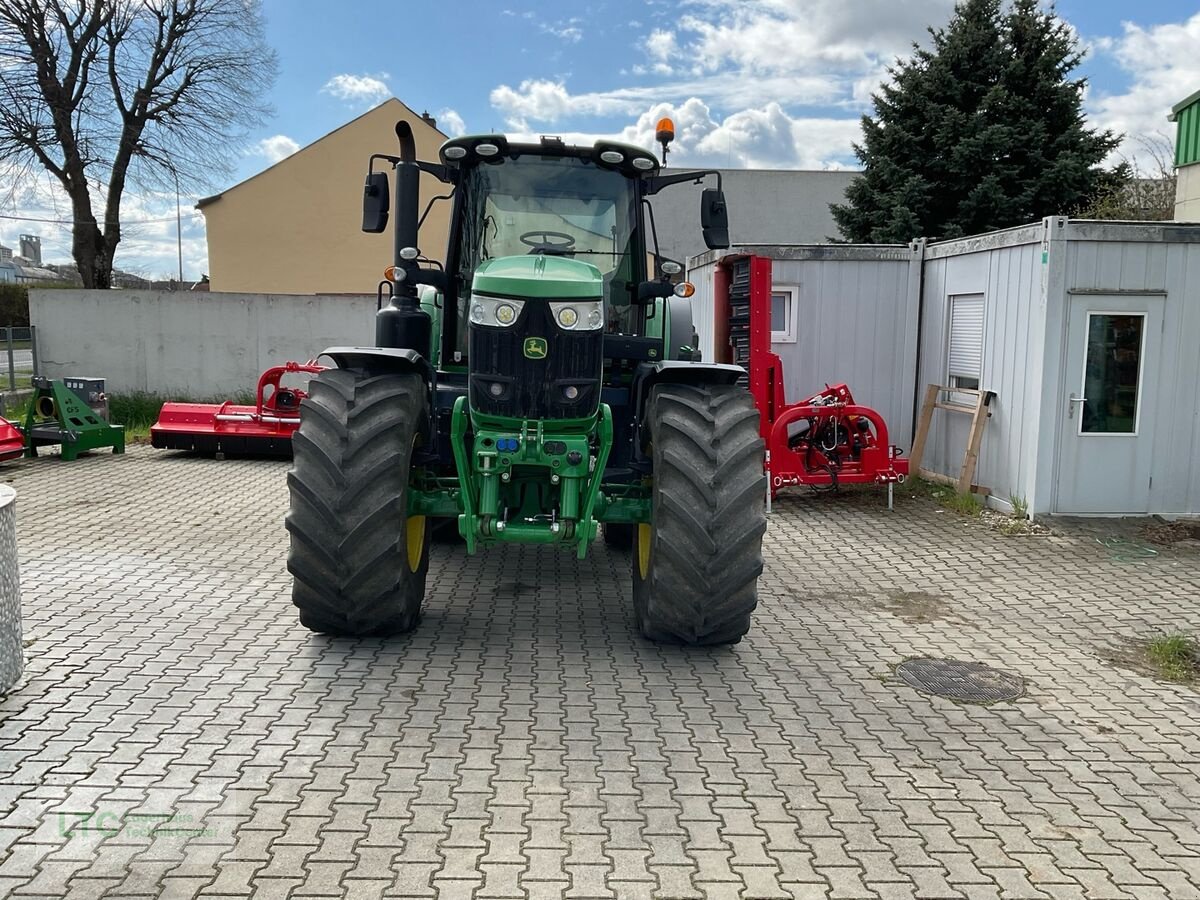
column 523, row 742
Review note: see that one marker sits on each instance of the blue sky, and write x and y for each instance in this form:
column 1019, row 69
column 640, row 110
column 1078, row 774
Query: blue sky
column 762, row 83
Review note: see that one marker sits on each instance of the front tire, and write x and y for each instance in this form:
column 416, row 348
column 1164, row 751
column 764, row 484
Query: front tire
column 696, row 564
column 358, row 560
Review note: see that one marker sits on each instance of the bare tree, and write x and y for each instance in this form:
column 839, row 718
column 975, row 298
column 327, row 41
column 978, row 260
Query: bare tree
column 107, row 94
column 1144, row 189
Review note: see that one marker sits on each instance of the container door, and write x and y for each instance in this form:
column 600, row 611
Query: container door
column 1106, row 445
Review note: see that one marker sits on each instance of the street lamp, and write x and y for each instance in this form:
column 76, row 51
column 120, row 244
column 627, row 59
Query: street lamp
column 143, row 150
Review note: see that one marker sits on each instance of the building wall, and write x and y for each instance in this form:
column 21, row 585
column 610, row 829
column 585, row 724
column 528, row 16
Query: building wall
column 1006, row 268
column 1128, row 258
column 200, row 345
column 856, row 322
column 1187, row 193
column 1029, row 277
column 296, row 227
column 765, row 207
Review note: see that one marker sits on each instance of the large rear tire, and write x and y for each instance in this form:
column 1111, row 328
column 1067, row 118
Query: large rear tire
column 696, row 565
column 358, row 560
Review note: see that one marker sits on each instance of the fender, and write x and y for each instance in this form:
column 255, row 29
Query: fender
column 673, row 371
column 381, row 361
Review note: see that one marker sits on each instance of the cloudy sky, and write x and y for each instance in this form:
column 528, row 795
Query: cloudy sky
column 761, row 83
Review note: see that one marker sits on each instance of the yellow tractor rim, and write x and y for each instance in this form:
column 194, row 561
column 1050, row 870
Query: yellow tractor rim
column 415, row 529
column 644, row 535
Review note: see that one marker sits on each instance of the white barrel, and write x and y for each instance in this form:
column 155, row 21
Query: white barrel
column 11, row 657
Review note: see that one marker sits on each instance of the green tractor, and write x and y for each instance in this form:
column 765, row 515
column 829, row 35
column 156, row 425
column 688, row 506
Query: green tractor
column 540, row 385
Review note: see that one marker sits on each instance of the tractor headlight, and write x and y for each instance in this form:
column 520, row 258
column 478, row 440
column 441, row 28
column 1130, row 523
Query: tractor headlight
column 578, row 315
column 494, row 311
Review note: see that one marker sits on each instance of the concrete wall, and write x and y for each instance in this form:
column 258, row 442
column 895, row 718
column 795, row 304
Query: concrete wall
column 296, row 228
column 765, row 207
column 199, row 345
column 1187, row 193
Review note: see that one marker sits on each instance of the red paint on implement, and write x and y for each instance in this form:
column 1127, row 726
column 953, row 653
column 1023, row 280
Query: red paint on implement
column 12, row 440
column 823, row 441
column 265, row 428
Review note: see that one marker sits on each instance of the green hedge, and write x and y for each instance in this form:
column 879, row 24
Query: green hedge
column 14, row 305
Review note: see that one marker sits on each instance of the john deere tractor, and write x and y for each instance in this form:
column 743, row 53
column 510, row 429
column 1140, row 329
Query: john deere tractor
column 540, row 385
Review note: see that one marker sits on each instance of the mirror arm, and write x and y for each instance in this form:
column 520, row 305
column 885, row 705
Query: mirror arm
column 442, row 173
column 656, row 183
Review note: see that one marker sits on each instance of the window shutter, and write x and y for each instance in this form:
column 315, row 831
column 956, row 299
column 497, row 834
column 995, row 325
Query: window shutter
column 966, row 336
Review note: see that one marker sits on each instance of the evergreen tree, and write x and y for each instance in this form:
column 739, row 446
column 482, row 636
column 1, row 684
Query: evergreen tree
column 984, row 130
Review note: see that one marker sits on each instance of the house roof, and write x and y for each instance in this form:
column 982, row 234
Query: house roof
column 205, row 201
column 1182, row 105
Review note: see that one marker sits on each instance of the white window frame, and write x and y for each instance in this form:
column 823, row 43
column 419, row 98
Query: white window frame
column 791, row 307
column 1137, row 412
column 952, row 377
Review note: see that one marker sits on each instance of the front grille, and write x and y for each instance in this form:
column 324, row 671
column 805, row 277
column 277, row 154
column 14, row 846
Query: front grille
column 533, row 388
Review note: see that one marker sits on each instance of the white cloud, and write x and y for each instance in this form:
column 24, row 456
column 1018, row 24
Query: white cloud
column 548, row 101
column 759, row 137
column 752, row 82
column 358, row 88
column 806, row 36
column 1165, row 69
column 451, row 123
column 568, row 31
column 275, row 148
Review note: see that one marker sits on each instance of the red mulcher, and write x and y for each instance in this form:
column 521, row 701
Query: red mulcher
column 823, row 441
column 263, row 429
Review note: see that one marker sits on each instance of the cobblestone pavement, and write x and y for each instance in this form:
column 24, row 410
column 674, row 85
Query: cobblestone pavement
column 179, row 734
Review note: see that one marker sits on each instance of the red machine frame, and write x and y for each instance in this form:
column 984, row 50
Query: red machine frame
column 839, row 441
column 266, row 427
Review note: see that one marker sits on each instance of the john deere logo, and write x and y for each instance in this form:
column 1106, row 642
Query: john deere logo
column 535, row 348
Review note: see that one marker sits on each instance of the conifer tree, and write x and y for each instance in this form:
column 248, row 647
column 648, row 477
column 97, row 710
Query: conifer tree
column 983, row 130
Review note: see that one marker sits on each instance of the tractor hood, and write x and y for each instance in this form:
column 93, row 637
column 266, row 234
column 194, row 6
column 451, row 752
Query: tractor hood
column 539, row 276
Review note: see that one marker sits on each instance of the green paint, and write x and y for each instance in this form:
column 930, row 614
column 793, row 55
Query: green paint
column 57, row 415
column 1187, row 141
column 539, row 277
column 527, row 482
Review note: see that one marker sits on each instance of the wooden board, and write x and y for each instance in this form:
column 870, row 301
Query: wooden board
column 979, row 413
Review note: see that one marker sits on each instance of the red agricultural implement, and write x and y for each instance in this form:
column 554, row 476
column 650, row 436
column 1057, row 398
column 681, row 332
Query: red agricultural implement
column 12, row 440
column 824, row 441
column 263, row 429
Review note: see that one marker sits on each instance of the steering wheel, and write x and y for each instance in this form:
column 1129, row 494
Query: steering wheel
column 565, row 245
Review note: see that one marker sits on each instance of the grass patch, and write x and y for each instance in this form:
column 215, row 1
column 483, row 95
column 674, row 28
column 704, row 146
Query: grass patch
column 1020, row 506
column 963, row 504
column 1175, row 656
column 137, row 411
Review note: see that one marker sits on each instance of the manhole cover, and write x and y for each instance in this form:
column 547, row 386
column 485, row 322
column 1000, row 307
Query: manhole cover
column 954, row 679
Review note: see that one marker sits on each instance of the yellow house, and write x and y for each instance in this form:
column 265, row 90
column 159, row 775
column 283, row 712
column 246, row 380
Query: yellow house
column 295, row 228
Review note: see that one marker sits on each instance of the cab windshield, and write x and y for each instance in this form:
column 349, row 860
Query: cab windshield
column 557, row 205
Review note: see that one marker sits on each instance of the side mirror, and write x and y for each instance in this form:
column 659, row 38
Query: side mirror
column 376, row 201
column 714, row 219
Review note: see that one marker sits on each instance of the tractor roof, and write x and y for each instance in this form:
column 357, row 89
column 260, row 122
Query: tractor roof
column 475, row 148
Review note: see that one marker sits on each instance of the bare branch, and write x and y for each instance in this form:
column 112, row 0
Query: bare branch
column 178, row 84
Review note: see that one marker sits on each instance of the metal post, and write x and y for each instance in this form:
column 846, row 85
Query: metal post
column 33, row 349
column 12, row 366
column 178, row 224
column 891, row 489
